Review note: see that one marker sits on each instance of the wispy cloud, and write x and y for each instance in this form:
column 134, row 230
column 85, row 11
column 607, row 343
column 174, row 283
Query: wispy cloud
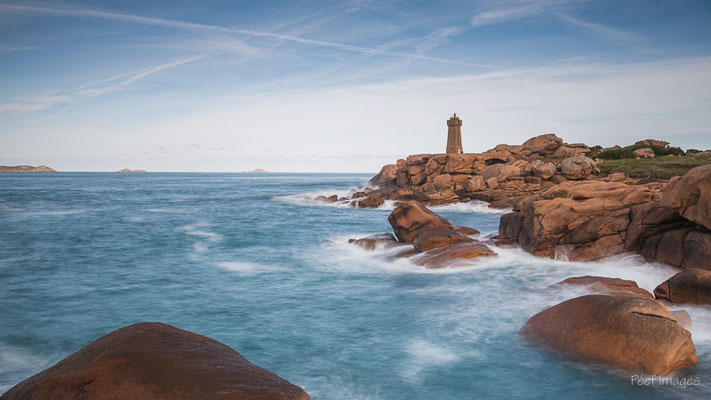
column 8, row 8
column 610, row 34
column 515, row 11
column 91, row 90
column 12, row 49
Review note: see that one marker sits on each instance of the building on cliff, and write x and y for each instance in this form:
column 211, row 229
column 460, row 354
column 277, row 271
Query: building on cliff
column 454, row 135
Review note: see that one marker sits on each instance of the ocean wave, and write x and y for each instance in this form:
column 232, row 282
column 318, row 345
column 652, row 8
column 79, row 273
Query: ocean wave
column 248, row 268
column 61, row 212
column 473, row 206
column 134, row 219
column 424, row 355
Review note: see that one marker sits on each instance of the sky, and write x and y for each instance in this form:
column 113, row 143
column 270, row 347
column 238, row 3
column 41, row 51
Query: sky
column 326, row 86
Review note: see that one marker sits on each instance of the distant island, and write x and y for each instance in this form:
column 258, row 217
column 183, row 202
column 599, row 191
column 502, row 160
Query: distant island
column 258, row 171
column 132, row 170
column 26, row 168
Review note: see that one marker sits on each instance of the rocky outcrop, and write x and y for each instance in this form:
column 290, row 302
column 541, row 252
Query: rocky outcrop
column 651, row 142
column 689, row 286
column 155, row 361
column 25, row 168
column 690, row 195
column 606, row 285
column 412, row 216
column 574, row 220
column 639, row 335
column 578, row 167
column 375, row 241
column 386, row 177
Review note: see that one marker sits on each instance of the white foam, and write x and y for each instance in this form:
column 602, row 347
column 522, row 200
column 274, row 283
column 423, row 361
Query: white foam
column 248, row 267
column 425, row 355
column 474, row 206
column 63, row 212
column 134, row 219
column 163, row 211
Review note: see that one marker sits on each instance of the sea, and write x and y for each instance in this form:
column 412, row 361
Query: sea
column 249, row 260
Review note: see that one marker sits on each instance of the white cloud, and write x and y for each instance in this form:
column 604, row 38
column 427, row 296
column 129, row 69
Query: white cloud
column 515, row 11
column 334, row 129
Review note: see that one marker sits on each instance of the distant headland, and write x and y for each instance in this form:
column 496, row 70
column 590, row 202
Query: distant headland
column 26, row 168
column 132, row 170
column 258, row 171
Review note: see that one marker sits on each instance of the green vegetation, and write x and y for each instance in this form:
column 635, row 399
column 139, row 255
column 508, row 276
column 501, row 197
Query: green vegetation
column 627, row 152
column 693, row 151
column 656, row 168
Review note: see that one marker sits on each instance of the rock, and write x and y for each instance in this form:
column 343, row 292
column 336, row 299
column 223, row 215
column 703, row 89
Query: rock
column 501, row 204
column 359, row 194
column 578, row 167
column 437, row 236
column 321, row 199
column 643, row 153
column 682, row 318
column 558, row 178
column 152, row 360
column 446, row 256
column 475, row 184
column 537, row 180
column 406, row 219
column 543, row 144
column 332, row 198
column 706, row 153
column 466, row 231
column 570, row 150
column 386, row 177
column 689, row 286
column 541, row 169
column 579, row 221
column 492, row 183
column 613, row 286
column 635, row 334
column 616, row 177
column 442, row 182
column 374, row 241
column 651, row 142
column 690, row 195
column 369, row 202
column 502, row 172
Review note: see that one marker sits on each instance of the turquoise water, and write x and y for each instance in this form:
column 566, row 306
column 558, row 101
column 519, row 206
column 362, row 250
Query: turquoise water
column 244, row 259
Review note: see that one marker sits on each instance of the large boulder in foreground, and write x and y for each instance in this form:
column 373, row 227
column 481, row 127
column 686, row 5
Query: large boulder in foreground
column 155, row 361
column 407, row 218
column 634, row 334
column 690, row 195
column 690, row 286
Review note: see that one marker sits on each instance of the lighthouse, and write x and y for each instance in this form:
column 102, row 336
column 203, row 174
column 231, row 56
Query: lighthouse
column 454, row 135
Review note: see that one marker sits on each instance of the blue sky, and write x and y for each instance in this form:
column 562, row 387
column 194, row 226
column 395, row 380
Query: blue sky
column 328, row 86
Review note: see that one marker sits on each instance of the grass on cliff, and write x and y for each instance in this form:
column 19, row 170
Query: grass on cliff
column 653, row 168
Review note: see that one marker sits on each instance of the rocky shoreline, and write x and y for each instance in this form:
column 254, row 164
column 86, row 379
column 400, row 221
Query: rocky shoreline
column 568, row 210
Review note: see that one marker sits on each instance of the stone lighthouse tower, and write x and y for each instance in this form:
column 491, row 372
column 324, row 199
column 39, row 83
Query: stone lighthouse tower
column 454, row 136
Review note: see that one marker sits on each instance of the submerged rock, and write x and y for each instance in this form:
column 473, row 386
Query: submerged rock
column 374, row 241
column 437, row 236
column 615, row 286
column 634, row 334
column 152, row 360
column 407, row 218
column 446, row 256
column 690, row 286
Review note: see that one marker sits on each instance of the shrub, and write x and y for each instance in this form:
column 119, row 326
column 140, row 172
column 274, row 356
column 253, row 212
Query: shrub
column 693, row 151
